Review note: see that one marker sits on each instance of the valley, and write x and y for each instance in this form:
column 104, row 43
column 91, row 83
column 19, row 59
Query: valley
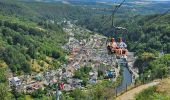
column 79, row 50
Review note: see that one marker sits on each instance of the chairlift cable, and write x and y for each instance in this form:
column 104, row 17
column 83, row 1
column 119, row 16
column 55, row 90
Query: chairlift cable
column 115, row 9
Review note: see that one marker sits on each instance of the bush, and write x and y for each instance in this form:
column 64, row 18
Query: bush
column 38, row 93
column 55, row 54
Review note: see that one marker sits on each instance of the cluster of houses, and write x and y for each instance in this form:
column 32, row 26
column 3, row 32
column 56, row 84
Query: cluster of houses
column 89, row 51
column 30, row 83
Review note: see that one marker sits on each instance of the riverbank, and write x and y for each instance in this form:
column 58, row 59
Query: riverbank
column 130, row 64
column 126, row 78
column 129, row 73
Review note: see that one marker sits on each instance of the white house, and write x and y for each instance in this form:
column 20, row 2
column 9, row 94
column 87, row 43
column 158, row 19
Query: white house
column 14, row 81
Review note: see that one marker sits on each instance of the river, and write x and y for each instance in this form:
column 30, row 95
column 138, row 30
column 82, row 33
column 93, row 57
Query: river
column 127, row 79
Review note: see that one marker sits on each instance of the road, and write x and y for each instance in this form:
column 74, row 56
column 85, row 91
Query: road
column 131, row 93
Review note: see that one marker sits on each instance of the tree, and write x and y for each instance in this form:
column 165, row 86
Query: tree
column 159, row 67
column 2, row 75
column 98, row 92
column 32, row 51
column 14, row 59
column 26, row 68
column 6, row 32
column 18, row 39
column 143, row 61
column 55, row 54
column 3, row 91
column 77, row 94
column 14, row 92
column 37, row 94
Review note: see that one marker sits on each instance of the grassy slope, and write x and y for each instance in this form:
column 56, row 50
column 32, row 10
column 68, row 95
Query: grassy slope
column 160, row 92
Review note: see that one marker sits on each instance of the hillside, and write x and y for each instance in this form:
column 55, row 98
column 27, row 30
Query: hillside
column 161, row 91
column 24, row 43
column 149, row 32
column 39, row 11
column 43, row 44
column 152, row 33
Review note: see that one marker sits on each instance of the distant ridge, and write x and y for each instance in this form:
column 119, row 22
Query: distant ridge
column 154, row 1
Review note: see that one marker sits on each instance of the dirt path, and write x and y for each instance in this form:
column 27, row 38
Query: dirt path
column 131, row 93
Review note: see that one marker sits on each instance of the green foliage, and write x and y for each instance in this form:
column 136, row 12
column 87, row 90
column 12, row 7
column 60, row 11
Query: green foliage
column 155, row 68
column 151, row 94
column 14, row 59
column 83, row 74
column 4, row 94
column 78, row 94
column 100, row 73
column 27, row 33
column 3, row 91
column 38, row 93
column 143, row 61
column 55, row 54
column 146, row 33
column 3, row 75
column 24, row 40
column 159, row 67
column 98, row 92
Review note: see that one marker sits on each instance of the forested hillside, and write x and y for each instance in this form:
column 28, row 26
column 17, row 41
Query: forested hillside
column 144, row 33
column 154, row 34
column 40, row 12
column 31, row 40
column 30, row 36
column 24, row 43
